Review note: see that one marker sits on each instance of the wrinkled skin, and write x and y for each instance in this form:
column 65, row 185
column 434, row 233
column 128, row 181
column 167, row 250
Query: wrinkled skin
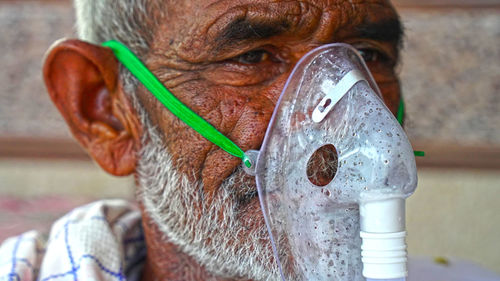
column 232, row 78
column 238, row 97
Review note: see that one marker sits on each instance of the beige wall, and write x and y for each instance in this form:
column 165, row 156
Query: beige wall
column 456, row 213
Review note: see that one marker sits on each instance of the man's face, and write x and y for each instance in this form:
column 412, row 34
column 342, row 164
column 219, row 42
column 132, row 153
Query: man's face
column 229, row 60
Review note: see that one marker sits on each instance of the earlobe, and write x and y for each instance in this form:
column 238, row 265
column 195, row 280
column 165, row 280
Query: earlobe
column 82, row 81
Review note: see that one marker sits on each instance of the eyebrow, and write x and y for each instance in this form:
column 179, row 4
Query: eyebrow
column 390, row 30
column 242, row 29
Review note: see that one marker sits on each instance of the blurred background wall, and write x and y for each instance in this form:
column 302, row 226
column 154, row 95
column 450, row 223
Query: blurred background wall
column 451, row 83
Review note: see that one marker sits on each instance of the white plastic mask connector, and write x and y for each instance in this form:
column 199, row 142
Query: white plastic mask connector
column 334, row 93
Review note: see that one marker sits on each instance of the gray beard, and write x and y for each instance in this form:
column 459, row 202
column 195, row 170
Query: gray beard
column 168, row 198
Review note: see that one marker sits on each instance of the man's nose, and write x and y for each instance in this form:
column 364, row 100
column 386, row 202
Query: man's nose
column 295, row 55
column 298, row 51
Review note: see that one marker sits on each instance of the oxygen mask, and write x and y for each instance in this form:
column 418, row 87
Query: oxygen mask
column 335, row 165
column 333, row 172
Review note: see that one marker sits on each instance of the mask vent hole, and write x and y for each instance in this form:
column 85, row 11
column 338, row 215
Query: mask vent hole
column 322, row 166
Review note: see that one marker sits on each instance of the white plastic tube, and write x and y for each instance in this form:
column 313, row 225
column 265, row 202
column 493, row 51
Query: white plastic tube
column 383, row 248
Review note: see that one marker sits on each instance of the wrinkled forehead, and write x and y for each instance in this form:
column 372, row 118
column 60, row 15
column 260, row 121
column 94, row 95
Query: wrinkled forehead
column 222, row 5
column 213, row 27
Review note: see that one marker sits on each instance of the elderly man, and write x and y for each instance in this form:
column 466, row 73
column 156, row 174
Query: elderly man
column 227, row 61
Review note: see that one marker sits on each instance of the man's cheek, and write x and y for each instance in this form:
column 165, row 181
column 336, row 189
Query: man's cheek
column 247, row 129
column 250, row 129
column 240, row 113
column 391, row 92
column 388, row 83
column 187, row 147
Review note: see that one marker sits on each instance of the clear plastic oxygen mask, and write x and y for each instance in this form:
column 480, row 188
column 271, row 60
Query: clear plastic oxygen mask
column 333, row 173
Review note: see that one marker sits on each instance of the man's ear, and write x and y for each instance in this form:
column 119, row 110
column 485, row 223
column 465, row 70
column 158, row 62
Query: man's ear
column 82, row 80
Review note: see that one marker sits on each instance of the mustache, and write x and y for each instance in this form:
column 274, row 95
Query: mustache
column 241, row 185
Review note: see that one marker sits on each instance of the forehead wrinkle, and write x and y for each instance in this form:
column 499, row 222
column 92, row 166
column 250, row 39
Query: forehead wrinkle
column 364, row 19
column 244, row 29
column 207, row 42
column 252, row 22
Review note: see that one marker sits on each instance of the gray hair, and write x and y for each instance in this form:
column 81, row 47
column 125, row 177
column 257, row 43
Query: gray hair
column 169, row 197
column 132, row 22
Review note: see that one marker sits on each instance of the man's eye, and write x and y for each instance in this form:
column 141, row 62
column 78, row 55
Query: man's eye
column 253, row 57
column 372, row 55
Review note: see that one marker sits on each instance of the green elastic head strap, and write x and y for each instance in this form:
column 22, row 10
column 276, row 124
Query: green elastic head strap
column 401, row 116
column 193, row 120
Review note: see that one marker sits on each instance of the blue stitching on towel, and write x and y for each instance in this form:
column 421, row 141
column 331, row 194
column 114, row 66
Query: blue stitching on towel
column 12, row 275
column 118, row 275
column 103, row 268
column 58, row 275
column 27, row 262
column 14, row 259
column 74, row 221
column 69, row 251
